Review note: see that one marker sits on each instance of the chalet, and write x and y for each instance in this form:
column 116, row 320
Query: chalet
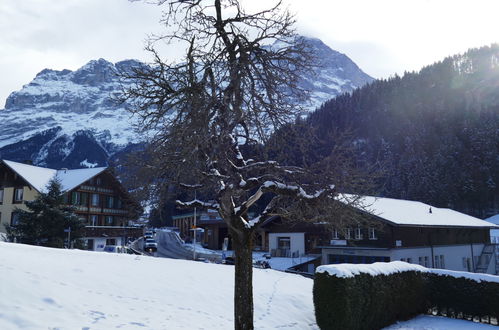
column 101, row 202
column 389, row 229
column 210, row 228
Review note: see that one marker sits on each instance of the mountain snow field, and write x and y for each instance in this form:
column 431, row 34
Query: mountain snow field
column 46, row 288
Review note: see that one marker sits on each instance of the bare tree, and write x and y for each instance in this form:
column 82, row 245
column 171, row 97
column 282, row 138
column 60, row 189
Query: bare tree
column 237, row 83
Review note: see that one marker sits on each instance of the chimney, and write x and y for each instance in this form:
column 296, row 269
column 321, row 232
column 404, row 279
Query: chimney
column 28, row 162
column 430, row 210
column 64, row 169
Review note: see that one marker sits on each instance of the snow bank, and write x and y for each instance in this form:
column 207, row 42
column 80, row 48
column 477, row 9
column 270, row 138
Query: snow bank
column 387, row 268
column 44, row 288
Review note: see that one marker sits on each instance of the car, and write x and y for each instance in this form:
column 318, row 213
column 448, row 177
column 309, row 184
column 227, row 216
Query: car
column 150, row 245
column 148, row 234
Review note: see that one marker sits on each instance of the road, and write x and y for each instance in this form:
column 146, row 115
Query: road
column 171, row 246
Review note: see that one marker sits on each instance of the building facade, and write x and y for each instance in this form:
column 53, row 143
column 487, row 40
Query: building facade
column 100, row 201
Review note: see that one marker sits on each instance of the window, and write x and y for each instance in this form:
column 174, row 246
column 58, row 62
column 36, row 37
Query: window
column 109, row 220
column 336, row 234
column 437, row 262
column 358, row 233
column 65, row 198
column 18, row 195
column 111, row 241
column 75, row 198
column 409, row 260
column 426, row 261
column 348, row 233
column 95, row 199
column 110, row 202
column 442, row 261
column 421, row 261
column 1, row 196
column 284, row 243
column 90, row 244
column 372, row 233
column 94, row 220
column 98, row 181
column 84, row 199
column 14, row 220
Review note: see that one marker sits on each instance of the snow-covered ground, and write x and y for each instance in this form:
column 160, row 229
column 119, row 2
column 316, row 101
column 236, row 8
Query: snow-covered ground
column 427, row 322
column 43, row 288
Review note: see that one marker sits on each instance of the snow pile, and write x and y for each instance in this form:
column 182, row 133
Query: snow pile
column 47, row 288
column 388, row 268
column 377, row 268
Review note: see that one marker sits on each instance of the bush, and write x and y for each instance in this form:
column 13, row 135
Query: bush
column 368, row 302
column 463, row 297
column 354, row 299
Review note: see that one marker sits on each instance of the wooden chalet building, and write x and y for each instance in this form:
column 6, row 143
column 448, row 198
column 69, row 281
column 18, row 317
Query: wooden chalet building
column 386, row 229
column 211, row 229
column 101, row 202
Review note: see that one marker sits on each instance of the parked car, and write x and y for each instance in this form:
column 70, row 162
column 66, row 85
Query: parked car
column 150, row 245
column 148, row 234
column 117, row 249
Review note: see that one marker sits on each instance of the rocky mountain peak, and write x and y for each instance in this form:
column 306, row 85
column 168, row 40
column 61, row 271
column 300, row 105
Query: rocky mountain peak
column 69, row 103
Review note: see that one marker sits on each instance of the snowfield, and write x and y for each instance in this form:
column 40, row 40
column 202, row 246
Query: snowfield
column 44, row 288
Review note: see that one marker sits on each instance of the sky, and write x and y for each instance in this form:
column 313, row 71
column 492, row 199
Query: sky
column 384, row 37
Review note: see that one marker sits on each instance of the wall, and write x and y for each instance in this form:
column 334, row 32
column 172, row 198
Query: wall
column 453, row 255
column 7, row 207
column 297, row 241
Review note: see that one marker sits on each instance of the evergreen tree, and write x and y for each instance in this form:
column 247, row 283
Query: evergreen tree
column 45, row 222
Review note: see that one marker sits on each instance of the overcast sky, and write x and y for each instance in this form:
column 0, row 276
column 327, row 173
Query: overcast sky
column 383, row 37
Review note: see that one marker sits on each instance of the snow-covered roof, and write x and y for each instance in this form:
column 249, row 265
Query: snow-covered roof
column 39, row 177
column 411, row 213
column 494, row 219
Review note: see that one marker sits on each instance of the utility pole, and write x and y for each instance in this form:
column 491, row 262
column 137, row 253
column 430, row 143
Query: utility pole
column 195, row 230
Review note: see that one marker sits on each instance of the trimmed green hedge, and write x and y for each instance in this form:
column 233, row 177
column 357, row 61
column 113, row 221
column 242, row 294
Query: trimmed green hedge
column 371, row 302
column 462, row 297
column 368, row 302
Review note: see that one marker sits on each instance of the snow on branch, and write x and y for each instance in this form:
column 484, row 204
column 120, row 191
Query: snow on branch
column 197, row 203
column 284, row 189
column 191, row 186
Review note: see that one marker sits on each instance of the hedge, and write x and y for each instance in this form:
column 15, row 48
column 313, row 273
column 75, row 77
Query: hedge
column 373, row 301
column 367, row 302
column 461, row 297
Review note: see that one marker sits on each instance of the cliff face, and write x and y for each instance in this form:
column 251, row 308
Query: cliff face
column 70, row 118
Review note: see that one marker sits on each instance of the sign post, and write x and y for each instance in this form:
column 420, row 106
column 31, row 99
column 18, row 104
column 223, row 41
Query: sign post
column 68, row 230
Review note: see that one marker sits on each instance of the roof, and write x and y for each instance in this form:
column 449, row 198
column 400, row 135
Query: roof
column 411, row 213
column 39, row 177
column 494, row 219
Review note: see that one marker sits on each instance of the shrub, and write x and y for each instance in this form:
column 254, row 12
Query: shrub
column 365, row 301
column 359, row 297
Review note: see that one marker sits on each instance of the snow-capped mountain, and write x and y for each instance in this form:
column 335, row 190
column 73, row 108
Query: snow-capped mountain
column 71, row 119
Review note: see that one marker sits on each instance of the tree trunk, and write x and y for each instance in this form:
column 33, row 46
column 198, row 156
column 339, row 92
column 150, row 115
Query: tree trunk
column 243, row 284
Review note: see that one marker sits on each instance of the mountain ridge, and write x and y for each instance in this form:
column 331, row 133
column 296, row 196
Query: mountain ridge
column 65, row 103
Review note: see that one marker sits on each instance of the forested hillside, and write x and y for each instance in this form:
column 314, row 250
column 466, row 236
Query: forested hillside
column 436, row 132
